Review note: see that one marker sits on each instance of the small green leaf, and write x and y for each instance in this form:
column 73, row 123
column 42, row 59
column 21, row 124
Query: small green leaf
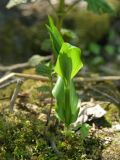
column 46, row 45
column 110, row 49
column 97, row 60
column 100, row 6
column 84, row 130
column 43, row 70
column 68, row 62
column 112, row 35
column 94, row 48
column 54, row 29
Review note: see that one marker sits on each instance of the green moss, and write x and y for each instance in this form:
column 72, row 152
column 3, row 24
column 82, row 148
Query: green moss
column 26, row 132
column 6, row 92
column 112, row 112
column 113, row 150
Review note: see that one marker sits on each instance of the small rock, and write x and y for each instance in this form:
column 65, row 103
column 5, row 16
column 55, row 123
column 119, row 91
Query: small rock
column 88, row 112
column 116, row 127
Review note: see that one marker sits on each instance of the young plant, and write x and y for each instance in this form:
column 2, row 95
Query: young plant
column 68, row 61
column 68, row 64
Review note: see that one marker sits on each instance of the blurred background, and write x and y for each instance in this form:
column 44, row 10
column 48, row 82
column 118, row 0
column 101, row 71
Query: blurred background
column 23, row 34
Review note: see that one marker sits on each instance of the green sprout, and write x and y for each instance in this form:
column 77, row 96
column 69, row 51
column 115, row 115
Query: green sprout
column 68, row 64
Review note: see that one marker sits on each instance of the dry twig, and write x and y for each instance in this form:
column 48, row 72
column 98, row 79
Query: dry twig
column 97, row 79
column 12, row 81
column 22, row 65
column 14, row 67
column 21, row 75
column 15, row 94
column 114, row 100
column 42, row 78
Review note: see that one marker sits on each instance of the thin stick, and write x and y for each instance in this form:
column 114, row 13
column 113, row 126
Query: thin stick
column 6, row 77
column 106, row 95
column 15, row 94
column 21, row 65
column 4, row 98
column 54, row 147
column 49, row 112
column 8, row 83
column 34, row 77
column 72, row 5
column 51, row 102
column 14, row 67
column 109, row 71
column 50, row 140
column 97, row 79
column 42, row 78
column 21, row 75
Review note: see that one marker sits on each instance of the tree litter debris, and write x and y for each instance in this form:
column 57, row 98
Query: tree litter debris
column 88, row 112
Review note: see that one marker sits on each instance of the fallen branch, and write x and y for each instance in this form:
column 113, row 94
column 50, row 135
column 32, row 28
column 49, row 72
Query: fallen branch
column 12, row 81
column 6, row 77
column 15, row 94
column 97, row 79
column 109, row 71
column 14, row 67
column 42, row 78
column 21, row 75
column 21, row 65
column 72, row 5
column 114, row 100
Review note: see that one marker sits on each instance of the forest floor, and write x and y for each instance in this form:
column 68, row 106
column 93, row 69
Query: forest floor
column 22, row 132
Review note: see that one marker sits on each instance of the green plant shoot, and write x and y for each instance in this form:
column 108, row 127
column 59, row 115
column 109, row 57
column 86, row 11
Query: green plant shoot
column 67, row 66
column 55, row 37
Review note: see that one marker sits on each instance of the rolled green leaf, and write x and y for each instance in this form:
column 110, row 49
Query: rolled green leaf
column 55, row 36
column 67, row 66
column 68, row 104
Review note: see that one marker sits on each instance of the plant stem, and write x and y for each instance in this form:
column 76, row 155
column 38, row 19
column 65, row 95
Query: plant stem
column 51, row 87
column 51, row 105
column 67, row 105
column 72, row 5
column 67, row 131
column 15, row 94
column 60, row 14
